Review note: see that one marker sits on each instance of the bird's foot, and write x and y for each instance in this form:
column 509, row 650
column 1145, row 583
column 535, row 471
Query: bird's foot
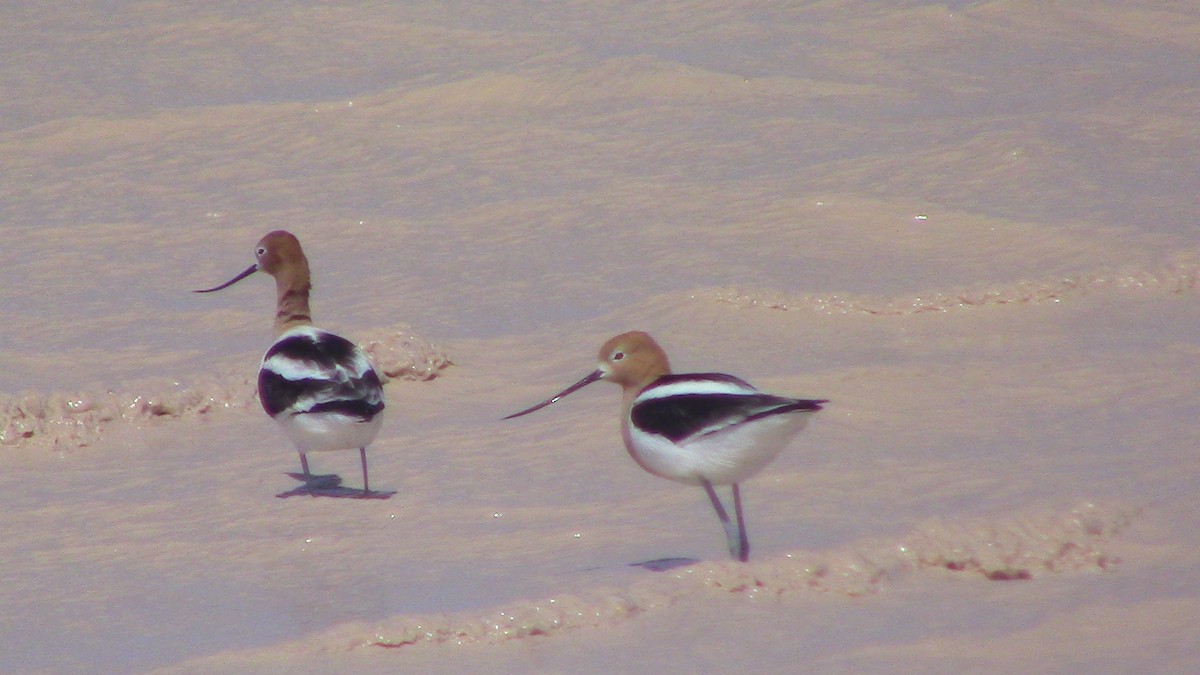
column 316, row 481
column 372, row 494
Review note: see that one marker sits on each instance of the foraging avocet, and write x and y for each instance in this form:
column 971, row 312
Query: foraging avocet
column 702, row 429
column 318, row 386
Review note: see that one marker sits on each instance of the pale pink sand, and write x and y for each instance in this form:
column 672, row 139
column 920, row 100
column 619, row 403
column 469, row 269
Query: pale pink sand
column 972, row 226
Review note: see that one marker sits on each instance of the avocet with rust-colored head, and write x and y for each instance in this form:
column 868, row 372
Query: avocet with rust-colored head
column 319, row 387
column 703, row 429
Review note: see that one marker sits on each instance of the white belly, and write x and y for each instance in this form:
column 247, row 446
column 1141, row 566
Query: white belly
column 318, row 432
column 727, row 456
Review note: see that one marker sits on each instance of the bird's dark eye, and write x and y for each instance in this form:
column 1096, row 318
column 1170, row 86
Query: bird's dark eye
column 260, row 251
column 617, row 356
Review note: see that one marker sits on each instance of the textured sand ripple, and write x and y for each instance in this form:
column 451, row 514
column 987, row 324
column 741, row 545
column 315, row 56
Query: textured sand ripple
column 1180, row 277
column 1020, row 547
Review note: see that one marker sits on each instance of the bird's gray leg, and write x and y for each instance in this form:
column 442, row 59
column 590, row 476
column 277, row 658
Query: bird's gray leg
column 734, row 536
column 743, row 538
column 362, row 453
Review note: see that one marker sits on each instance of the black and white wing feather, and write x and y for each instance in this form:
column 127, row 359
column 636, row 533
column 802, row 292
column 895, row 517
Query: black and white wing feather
column 688, row 406
column 309, row 370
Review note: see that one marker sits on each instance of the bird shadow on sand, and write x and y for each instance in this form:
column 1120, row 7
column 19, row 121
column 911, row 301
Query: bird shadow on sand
column 656, row 565
column 330, row 486
column 664, row 564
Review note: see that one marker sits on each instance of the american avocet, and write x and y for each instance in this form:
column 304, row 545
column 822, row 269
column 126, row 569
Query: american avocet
column 702, row 429
column 318, row 386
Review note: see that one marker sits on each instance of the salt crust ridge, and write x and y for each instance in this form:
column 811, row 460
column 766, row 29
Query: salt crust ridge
column 1180, row 277
column 79, row 419
column 1062, row 540
column 1021, row 547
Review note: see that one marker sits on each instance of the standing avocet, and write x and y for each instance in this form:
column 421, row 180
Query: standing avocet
column 318, row 386
column 700, row 429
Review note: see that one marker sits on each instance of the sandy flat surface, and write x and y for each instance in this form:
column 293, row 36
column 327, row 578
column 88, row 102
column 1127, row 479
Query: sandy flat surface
column 972, row 226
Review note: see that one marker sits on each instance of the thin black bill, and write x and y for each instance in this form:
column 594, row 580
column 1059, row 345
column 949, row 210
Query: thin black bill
column 251, row 270
column 595, row 375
